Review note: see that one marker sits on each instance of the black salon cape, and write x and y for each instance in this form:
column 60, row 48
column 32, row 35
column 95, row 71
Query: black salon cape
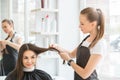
column 34, row 75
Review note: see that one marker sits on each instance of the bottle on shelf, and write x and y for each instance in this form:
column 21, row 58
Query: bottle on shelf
column 47, row 23
column 53, row 26
column 43, row 26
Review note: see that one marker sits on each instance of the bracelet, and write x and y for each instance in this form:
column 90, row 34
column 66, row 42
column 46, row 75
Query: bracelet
column 69, row 61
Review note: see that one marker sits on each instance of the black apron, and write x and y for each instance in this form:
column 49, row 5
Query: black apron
column 83, row 55
column 9, row 59
column 33, row 75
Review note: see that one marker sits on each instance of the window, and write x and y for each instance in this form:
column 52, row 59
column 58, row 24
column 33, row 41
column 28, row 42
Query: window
column 17, row 14
column 114, row 37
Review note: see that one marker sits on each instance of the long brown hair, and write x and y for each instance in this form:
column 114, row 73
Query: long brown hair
column 95, row 15
column 18, row 71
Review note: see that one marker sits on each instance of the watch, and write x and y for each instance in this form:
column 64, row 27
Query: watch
column 69, row 62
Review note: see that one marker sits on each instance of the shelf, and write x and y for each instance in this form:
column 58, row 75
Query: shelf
column 46, row 33
column 44, row 10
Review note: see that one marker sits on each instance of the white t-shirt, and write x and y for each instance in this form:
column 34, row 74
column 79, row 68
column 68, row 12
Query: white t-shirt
column 16, row 38
column 99, row 48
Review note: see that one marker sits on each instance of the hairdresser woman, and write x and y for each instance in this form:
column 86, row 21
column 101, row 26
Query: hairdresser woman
column 9, row 47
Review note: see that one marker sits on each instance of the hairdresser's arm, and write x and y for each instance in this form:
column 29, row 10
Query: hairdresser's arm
column 16, row 45
column 73, row 53
column 2, row 46
column 89, row 68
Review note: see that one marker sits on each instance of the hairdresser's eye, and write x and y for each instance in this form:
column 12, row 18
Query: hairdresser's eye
column 82, row 24
column 4, row 27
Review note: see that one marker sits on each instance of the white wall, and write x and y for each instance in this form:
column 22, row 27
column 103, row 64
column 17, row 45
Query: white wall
column 4, row 9
column 69, row 31
column 4, row 13
column 0, row 19
column 69, row 22
column 0, row 10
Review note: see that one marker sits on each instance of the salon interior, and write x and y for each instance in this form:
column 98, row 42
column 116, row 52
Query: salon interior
column 43, row 22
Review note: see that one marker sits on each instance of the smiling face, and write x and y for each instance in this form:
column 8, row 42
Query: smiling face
column 85, row 25
column 29, row 59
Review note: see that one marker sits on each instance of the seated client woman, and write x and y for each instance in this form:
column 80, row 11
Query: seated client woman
column 25, row 68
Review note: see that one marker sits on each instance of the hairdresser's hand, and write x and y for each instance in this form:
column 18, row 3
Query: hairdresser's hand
column 65, row 56
column 58, row 48
column 3, row 44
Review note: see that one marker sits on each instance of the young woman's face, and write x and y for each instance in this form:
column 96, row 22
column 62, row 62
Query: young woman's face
column 85, row 25
column 29, row 59
column 7, row 28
